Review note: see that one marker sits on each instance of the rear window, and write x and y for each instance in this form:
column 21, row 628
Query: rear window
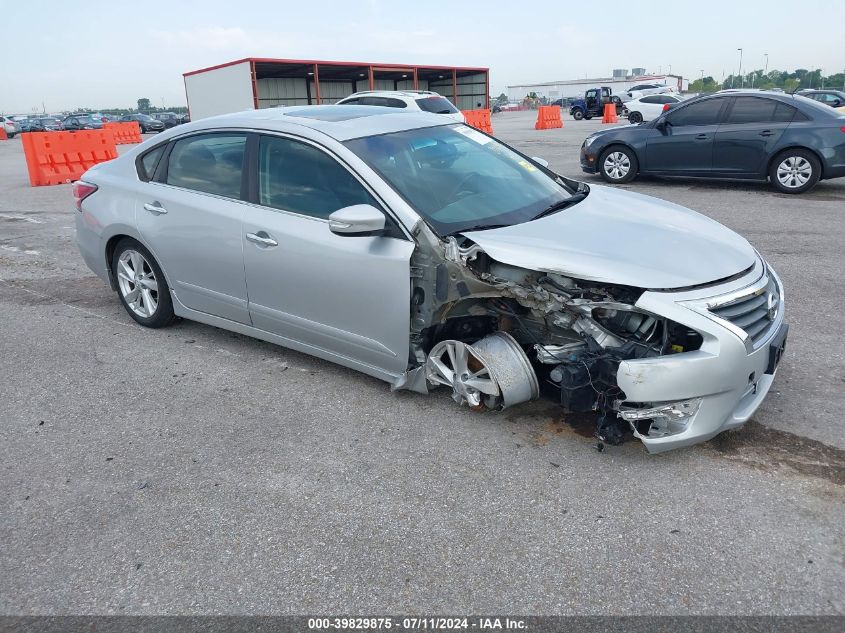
column 437, row 105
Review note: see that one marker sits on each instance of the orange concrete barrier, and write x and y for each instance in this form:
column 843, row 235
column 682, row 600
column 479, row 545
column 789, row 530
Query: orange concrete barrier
column 479, row 119
column 53, row 158
column 3, row 135
column 609, row 114
column 548, row 117
column 124, row 131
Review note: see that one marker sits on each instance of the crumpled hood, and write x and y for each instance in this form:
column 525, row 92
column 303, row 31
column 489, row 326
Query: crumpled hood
column 623, row 238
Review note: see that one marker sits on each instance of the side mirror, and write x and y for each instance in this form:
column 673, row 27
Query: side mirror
column 837, row 103
column 359, row 219
column 661, row 124
column 540, row 161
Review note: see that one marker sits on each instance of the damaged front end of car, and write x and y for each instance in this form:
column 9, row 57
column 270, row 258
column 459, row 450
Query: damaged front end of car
column 498, row 335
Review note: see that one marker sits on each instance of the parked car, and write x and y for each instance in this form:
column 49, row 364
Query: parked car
column 832, row 98
column 641, row 90
column 25, row 124
column 790, row 140
column 145, row 122
column 185, row 118
column 170, row 119
column 45, row 124
column 413, row 100
column 425, row 253
column 648, row 107
column 81, row 122
column 111, row 118
column 9, row 126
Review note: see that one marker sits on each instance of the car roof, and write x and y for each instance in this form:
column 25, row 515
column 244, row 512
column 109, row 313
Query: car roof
column 340, row 122
column 395, row 93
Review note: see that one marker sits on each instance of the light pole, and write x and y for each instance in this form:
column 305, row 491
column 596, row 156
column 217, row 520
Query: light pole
column 741, row 78
column 766, row 55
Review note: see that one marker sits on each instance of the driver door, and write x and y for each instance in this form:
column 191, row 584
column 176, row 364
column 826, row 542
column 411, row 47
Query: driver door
column 348, row 296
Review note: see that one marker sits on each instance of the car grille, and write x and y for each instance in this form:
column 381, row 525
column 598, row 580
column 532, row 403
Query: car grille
column 755, row 313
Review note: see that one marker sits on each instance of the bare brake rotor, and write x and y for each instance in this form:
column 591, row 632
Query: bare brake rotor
column 491, row 373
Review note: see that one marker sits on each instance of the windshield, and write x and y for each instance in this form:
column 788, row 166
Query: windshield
column 459, row 179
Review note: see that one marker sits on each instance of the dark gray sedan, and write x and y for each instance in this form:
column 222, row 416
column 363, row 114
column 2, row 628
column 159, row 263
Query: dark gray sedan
column 787, row 139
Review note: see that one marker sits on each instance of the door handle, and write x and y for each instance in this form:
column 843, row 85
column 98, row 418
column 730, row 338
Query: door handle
column 766, row 133
column 261, row 238
column 700, row 137
column 155, row 207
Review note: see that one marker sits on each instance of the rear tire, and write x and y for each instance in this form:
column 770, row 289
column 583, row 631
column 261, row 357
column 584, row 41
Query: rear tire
column 588, row 116
column 635, row 117
column 618, row 164
column 795, row 171
column 141, row 286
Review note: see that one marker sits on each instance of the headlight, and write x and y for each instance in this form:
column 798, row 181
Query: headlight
column 589, row 140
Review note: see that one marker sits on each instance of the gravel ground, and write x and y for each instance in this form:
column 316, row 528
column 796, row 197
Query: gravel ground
column 192, row 470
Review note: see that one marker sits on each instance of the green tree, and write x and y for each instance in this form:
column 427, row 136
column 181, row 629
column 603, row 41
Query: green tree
column 791, row 84
column 143, row 104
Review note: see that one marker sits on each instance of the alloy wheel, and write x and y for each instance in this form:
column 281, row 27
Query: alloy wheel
column 617, row 165
column 455, row 364
column 794, row 172
column 137, row 282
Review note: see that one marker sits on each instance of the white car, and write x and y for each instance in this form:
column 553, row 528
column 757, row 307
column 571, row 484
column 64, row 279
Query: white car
column 648, row 107
column 410, row 100
column 11, row 128
column 642, row 90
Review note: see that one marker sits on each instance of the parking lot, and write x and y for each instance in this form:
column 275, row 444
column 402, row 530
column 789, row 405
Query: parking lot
column 193, row 470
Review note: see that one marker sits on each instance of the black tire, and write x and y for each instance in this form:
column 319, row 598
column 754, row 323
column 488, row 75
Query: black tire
column 588, row 116
column 635, row 117
column 632, row 169
column 577, row 115
column 163, row 314
column 801, row 160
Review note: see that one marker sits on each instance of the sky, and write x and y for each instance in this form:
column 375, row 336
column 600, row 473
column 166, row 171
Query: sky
column 109, row 54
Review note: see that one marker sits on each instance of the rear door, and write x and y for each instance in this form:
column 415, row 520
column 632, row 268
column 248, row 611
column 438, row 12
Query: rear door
column 685, row 145
column 189, row 216
column 750, row 131
column 346, row 295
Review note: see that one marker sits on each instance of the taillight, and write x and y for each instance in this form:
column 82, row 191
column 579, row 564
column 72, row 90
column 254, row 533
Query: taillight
column 665, row 107
column 842, row 129
column 82, row 190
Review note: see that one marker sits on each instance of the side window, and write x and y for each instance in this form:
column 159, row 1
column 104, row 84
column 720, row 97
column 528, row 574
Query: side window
column 354, row 101
column 211, row 163
column 591, row 94
column 147, row 162
column 651, row 99
column 756, row 110
column 298, row 177
column 395, row 103
column 701, row 113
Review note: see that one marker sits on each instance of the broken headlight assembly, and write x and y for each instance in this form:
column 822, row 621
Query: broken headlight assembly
column 660, row 420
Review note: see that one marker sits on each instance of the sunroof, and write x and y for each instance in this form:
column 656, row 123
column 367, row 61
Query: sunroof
column 335, row 113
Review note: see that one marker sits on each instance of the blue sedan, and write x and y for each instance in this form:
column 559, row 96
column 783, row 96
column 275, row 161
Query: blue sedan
column 789, row 140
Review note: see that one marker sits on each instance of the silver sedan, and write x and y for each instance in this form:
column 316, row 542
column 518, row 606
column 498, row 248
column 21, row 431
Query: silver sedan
column 428, row 254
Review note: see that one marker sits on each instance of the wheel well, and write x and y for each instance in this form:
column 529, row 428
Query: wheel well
column 801, row 147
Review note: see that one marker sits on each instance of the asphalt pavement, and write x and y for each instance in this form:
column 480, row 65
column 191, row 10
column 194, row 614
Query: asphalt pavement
column 190, row 470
